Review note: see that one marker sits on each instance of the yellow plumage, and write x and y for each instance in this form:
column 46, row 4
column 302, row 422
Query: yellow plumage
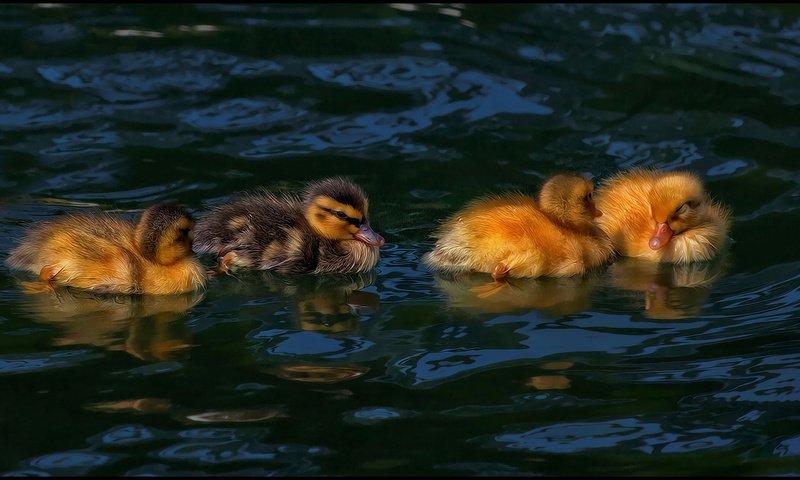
column 662, row 216
column 514, row 235
column 105, row 254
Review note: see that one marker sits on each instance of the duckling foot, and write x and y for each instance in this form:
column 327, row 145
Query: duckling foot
column 49, row 272
column 500, row 271
column 224, row 264
column 46, row 285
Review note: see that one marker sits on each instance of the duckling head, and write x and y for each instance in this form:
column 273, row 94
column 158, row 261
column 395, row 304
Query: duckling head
column 164, row 234
column 567, row 198
column 678, row 203
column 337, row 209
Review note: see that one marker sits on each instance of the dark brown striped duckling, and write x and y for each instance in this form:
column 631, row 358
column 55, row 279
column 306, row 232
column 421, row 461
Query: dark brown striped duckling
column 324, row 230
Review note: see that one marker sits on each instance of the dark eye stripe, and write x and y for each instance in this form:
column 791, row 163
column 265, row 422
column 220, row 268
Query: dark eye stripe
column 343, row 216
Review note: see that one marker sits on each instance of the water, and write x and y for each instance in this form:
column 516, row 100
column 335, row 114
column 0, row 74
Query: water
column 635, row 369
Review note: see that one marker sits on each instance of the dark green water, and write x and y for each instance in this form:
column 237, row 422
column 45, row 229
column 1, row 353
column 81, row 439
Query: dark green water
column 633, row 370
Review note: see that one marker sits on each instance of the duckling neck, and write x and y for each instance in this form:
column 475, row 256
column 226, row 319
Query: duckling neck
column 559, row 218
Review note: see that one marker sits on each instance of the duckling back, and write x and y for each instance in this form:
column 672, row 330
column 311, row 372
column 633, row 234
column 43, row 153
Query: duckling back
column 80, row 250
column 264, row 230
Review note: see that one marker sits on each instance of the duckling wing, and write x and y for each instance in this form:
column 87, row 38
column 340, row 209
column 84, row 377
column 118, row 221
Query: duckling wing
column 263, row 230
column 84, row 251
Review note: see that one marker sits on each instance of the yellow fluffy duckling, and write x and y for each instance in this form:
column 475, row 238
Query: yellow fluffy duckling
column 662, row 216
column 105, row 254
column 514, row 235
column 326, row 230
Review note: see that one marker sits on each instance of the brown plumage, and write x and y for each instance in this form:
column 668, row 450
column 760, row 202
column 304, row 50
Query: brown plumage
column 106, row 254
column 325, row 230
column 662, row 216
column 514, row 235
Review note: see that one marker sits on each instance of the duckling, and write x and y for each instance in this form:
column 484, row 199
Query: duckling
column 513, row 235
column 662, row 216
column 105, row 254
column 326, row 230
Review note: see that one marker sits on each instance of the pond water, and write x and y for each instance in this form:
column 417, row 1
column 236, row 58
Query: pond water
column 635, row 369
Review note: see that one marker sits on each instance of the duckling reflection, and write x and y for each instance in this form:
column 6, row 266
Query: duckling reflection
column 160, row 406
column 671, row 291
column 311, row 373
column 551, row 381
column 552, row 296
column 331, row 302
column 148, row 327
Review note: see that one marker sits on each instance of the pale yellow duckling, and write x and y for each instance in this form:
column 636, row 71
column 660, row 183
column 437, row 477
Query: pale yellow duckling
column 105, row 254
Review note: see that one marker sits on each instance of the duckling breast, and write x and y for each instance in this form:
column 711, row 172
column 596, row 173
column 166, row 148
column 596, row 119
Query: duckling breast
column 347, row 256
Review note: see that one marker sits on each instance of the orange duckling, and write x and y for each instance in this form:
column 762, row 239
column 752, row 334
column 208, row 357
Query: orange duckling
column 105, row 254
column 662, row 216
column 514, row 235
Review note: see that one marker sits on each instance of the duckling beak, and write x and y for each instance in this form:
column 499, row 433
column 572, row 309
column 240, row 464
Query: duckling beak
column 368, row 235
column 661, row 236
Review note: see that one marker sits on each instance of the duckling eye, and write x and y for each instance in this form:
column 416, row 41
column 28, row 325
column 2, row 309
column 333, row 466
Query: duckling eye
column 685, row 207
column 340, row 214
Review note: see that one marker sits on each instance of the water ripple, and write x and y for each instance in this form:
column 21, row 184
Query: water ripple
column 241, row 113
column 38, row 114
column 620, row 434
column 138, row 76
column 375, row 415
column 33, row 362
column 74, row 462
column 474, row 95
column 222, row 452
column 395, row 74
column 122, row 435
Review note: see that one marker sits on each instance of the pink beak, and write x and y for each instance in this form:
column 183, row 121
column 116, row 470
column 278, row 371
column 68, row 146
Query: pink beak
column 661, row 236
column 368, row 235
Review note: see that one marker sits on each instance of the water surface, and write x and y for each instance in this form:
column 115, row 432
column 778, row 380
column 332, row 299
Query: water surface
column 634, row 369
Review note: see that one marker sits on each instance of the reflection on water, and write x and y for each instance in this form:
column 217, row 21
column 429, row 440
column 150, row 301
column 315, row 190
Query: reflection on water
column 553, row 296
column 161, row 406
column 641, row 368
column 148, row 327
column 670, row 291
column 328, row 303
column 317, row 373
